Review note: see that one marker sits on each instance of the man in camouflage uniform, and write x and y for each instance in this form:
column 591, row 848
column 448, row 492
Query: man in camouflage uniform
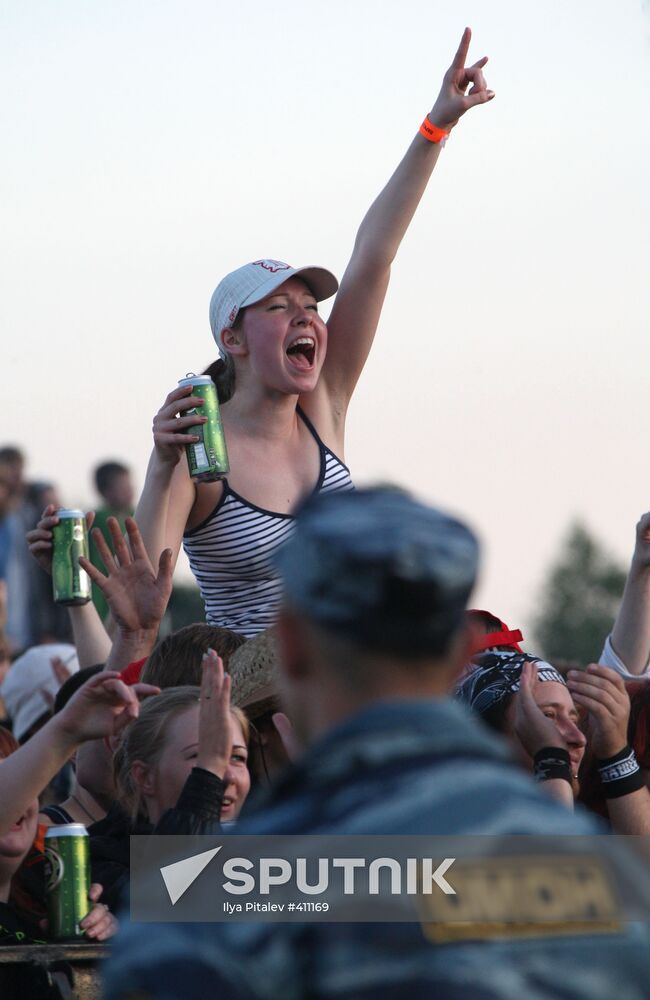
column 372, row 638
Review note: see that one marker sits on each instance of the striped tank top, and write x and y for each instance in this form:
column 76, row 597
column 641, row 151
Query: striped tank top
column 230, row 553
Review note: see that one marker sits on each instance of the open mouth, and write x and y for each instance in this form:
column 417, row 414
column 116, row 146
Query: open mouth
column 301, row 353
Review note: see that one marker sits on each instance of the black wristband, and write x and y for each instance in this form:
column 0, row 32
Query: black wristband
column 552, row 762
column 620, row 774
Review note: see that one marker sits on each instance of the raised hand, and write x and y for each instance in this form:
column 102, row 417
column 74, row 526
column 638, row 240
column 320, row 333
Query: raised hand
column 60, row 670
column 136, row 595
column 215, row 718
column 40, row 537
column 602, row 693
column 61, row 674
column 641, row 557
column 534, row 729
column 286, row 733
column 168, row 426
column 101, row 707
column 463, row 87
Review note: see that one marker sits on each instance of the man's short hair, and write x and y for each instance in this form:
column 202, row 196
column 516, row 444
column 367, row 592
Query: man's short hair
column 106, row 473
column 176, row 659
column 10, row 455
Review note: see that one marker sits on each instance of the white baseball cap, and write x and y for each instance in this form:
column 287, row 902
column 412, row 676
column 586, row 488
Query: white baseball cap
column 253, row 282
column 29, row 681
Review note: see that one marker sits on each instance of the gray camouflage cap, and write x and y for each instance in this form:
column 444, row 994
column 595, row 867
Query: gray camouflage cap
column 381, row 568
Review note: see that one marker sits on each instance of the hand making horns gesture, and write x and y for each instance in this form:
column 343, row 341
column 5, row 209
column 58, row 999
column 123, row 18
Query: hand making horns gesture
column 462, row 87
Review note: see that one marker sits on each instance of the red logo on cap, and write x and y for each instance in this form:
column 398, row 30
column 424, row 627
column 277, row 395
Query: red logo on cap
column 273, row 265
column 233, row 314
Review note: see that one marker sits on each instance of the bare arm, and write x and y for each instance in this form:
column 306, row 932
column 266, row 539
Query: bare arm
column 353, row 322
column 90, row 637
column 631, row 633
column 630, row 814
column 168, row 495
column 25, row 773
column 559, row 790
column 99, row 708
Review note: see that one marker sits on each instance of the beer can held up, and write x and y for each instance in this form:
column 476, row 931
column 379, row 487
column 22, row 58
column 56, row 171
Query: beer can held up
column 70, row 583
column 207, row 458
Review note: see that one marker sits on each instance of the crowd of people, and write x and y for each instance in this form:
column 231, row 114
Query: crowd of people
column 339, row 683
column 28, row 613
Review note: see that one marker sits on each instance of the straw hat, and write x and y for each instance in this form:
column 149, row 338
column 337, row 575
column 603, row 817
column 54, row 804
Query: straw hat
column 254, row 672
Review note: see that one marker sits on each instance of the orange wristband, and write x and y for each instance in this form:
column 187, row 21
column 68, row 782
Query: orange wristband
column 432, row 132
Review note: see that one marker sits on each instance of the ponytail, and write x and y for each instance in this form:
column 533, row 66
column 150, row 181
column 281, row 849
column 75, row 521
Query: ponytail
column 222, row 373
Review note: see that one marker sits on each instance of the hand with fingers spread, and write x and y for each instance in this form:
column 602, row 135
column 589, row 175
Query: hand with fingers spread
column 136, row 595
column 171, row 430
column 463, row 87
column 40, row 537
column 215, row 718
column 534, row 729
column 602, row 693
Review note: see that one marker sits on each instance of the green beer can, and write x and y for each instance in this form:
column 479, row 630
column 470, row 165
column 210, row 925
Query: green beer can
column 207, row 458
column 67, row 879
column 70, row 583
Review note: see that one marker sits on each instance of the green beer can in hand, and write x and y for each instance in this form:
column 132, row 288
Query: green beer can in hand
column 68, row 879
column 70, row 583
column 207, row 458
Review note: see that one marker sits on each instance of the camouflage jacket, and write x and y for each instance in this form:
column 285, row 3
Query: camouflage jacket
column 408, row 768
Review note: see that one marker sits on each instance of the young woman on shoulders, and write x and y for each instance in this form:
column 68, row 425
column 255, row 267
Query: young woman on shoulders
column 285, row 381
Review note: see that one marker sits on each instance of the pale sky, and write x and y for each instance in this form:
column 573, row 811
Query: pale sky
column 151, row 147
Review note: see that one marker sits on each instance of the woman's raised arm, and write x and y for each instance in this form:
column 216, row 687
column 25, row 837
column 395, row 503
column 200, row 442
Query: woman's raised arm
column 91, row 639
column 355, row 315
column 100, row 708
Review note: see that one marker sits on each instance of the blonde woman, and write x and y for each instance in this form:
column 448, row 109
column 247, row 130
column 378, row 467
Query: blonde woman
column 158, row 761
column 183, row 769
